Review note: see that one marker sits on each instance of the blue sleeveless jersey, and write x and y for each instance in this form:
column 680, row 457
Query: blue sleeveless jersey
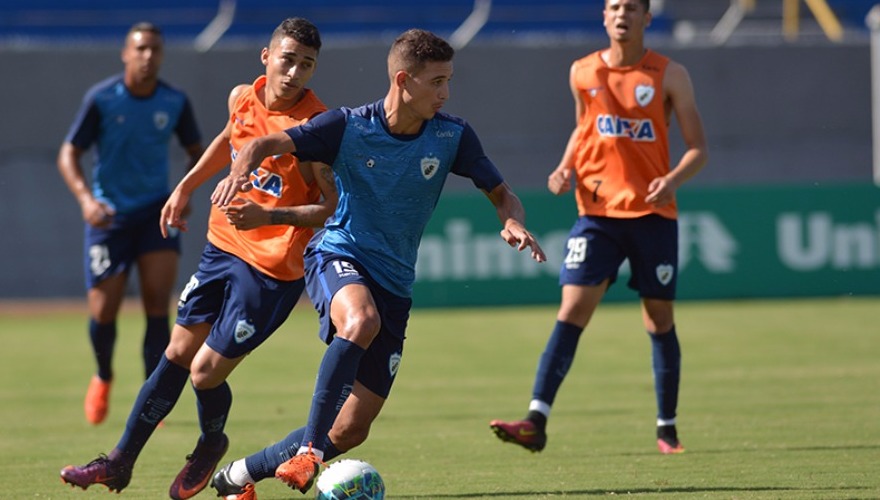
column 388, row 184
column 132, row 135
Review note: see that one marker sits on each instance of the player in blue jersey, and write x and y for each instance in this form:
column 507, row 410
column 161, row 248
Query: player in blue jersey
column 130, row 119
column 390, row 159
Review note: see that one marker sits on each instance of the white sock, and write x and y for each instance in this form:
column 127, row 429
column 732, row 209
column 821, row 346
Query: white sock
column 661, row 422
column 540, row 407
column 239, row 474
column 305, row 449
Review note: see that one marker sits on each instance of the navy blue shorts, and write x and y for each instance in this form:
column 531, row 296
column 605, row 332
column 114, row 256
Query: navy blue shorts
column 597, row 246
column 112, row 250
column 326, row 274
column 243, row 305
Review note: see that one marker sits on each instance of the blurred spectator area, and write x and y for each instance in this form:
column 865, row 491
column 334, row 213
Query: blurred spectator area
column 99, row 21
column 761, row 21
column 37, row 21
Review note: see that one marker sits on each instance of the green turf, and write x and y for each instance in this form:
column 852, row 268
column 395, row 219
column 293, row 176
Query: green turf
column 780, row 399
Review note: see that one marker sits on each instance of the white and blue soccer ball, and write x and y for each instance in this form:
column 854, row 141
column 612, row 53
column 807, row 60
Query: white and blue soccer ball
column 350, row 479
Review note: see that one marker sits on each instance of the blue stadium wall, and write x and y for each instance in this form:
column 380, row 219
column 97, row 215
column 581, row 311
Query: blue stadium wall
column 775, row 116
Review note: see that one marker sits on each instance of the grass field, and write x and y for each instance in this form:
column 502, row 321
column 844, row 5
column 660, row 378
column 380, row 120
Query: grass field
column 780, row 399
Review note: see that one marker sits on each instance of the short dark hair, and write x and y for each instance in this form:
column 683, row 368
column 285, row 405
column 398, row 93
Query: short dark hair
column 144, row 26
column 300, row 30
column 645, row 3
column 415, row 47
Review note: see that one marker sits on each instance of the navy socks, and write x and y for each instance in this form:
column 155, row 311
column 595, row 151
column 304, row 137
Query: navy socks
column 156, row 339
column 213, row 405
column 556, row 361
column 335, row 380
column 666, row 356
column 155, row 401
column 103, row 339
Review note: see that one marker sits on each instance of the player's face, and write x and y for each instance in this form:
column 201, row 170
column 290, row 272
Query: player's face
column 289, row 67
column 625, row 19
column 427, row 91
column 142, row 55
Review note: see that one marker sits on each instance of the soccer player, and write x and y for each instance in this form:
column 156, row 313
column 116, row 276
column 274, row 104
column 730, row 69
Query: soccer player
column 251, row 270
column 130, row 118
column 617, row 160
column 391, row 159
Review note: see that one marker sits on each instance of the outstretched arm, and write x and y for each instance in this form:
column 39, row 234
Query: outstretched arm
column 211, row 162
column 512, row 216
column 249, row 158
column 248, row 215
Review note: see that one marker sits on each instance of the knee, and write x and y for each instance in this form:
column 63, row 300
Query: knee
column 348, row 436
column 207, row 370
column 360, row 325
column 180, row 352
column 201, row 379
column 660, row 325
column 658, row 317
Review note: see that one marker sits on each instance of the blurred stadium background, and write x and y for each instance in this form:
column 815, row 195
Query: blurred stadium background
column 786, row 207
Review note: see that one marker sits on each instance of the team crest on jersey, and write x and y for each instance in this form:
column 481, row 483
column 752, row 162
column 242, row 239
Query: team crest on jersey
column 430, row 165
column 244, row 330
column 394, row 363
column 644, row 94
column 665, row 273
column 160, row 119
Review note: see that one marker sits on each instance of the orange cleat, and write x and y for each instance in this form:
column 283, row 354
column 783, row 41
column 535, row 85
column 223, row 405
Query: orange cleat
column 97, row 400
column 300, row 471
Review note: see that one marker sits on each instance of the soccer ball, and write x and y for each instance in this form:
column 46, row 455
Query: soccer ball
column 350, row 479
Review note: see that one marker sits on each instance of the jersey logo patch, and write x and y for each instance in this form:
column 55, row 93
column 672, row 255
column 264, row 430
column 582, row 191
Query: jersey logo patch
column 665, row 273
column 244, row 330
column 394, row 363
column 644, row 94
column 160, row 119
column 267, row 182
column 617, row 126
column 430, row 165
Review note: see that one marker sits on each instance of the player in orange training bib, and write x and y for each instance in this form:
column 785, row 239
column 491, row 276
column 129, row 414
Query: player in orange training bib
column 617, row 161
column 251, row 271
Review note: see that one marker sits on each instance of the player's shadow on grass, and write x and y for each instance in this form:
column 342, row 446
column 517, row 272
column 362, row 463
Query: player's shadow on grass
column 660, row 492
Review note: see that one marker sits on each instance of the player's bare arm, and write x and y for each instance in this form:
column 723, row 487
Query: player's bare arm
column 244, row 214
column 94, row 212
column 512, row 216
column 561, row 179
column 209, row 164
column 681, row 98
column 214, row 159
column 249, row 158
column 193, row 153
